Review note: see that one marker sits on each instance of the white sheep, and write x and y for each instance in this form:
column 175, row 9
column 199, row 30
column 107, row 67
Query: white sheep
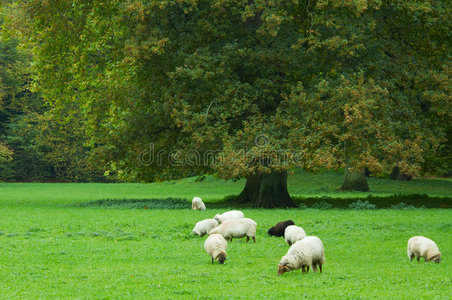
column 203, row 227
column 293, row 234
column 303, row 254
column 420, row 246
column 215, row 245
column 197, row 204
column 237, row 228
column 229, row 215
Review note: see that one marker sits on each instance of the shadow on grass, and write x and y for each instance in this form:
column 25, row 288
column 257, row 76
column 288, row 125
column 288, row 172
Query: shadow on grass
column 229, row 202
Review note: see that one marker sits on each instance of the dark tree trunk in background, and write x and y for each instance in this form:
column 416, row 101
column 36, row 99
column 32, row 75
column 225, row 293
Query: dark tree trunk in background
column 396, row 175
column 266, row 191
column 355, row 181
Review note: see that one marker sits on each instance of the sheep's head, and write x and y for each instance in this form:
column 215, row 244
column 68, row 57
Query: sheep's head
column 283, row 268
column 217, row 218
column 271, row 231
column 221, row 258
column 437, row 258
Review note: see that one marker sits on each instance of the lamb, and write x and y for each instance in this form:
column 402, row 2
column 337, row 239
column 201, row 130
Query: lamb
column 293, row 234
column 229, row 215
column 215, row 245
column 237, row 228
column 279, row 228
column 303, row 254
column 203, row 227
column 420, row 246
column 197, row 204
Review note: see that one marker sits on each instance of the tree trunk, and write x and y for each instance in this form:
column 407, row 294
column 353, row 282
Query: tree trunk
column 396, row 175
column 355, row 181
column 266, row 191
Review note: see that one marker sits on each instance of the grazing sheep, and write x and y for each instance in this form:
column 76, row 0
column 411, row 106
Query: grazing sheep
column 420, row 246
column 303, row 254
column 238, row 228
column 203, row 227
column 279, row 228
column 197, row 204
column 293, row 234
column 215, row 245
column 229, row 215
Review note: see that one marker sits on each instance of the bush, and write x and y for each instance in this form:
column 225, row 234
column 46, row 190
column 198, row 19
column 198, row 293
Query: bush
column 362, row 205
column 403, row 205
column 322, row 205
column 168, row 203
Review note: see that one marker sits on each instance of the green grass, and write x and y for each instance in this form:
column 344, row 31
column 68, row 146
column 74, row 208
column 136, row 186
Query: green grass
column 211, row 189
column 108, row 253
column 54, row 243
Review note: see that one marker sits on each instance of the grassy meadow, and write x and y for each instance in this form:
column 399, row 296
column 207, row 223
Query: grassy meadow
column 52, row 247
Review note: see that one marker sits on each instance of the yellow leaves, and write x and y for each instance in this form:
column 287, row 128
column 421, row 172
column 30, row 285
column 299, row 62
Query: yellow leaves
column 5, row 153
column 335, row 43
column 137, row 10
column 357, row 6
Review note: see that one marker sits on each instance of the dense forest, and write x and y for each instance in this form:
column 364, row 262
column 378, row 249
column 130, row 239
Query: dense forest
column 87, row 88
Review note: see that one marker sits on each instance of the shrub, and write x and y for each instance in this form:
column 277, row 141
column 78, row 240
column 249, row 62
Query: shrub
column 168, row 203
column 322, row 205
column 402, row 205
column 362, row 205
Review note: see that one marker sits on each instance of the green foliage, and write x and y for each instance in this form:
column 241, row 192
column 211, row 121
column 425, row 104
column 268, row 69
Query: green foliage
column 168, row 203
column 35, row 144
column 402, row 205
column 322, row 205
column 362, row 205
column 328, row 83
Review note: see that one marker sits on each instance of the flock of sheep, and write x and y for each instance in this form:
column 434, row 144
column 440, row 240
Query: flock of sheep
column 304, row 252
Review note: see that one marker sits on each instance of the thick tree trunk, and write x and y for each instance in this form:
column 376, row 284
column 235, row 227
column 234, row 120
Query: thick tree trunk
column 396, row 175
column 266, row 191
column 355, row 181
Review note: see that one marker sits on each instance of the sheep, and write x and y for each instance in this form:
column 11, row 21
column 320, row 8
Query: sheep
column 420, row 246
column 215, row 245
column 238, row 228
column 229, row 215
column 203, row 227
column 293, row 234
column 279, row 228
column 197, row 204
column 303, row 254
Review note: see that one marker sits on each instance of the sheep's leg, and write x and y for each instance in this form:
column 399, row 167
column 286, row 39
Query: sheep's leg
column 303, row 270
column 254, row 238
column 307, row 269
column 212, row 260
column 320, row 268
column 314, row 266
column 247, row 239
column 417, row 259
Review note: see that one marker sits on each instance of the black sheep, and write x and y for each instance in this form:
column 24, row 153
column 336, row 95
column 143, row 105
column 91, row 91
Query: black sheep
column 279, row 228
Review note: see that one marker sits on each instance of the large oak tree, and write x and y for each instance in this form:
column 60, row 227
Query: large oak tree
column 248, row 88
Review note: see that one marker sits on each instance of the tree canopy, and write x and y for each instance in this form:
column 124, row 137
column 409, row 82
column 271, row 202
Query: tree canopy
column 262, row 86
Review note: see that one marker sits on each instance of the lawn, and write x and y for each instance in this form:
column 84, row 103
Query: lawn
column 51, row 247
column 210, row 189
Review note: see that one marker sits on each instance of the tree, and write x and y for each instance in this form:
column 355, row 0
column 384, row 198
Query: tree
column 250, row 88
column 37, row 144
